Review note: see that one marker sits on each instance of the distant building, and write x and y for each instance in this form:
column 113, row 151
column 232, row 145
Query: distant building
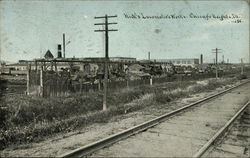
column 17, row 68
column 2, row 67
column 115, row 59
column 94, row 59
column 135, row 68
column 51, row 63
column 193, row 62
column 48, row 55
column 123, row 59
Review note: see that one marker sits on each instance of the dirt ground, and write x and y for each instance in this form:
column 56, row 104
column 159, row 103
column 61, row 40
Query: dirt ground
column 186, row 132
column 63, row 143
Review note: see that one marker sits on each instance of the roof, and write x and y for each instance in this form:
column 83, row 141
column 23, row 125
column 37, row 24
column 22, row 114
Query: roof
column 121, row 58
column 176, row 59
column 17, row 64
column 135, row 67
column 48, row 54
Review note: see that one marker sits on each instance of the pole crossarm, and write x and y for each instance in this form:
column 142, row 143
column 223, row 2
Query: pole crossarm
column 105, row 30
column 105, row 23
column 100, row 17
column 216, row 50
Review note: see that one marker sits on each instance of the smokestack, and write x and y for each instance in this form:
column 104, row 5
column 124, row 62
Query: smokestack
column 63, row 45
column 148, row 55
column 59, row 51
column 201, row 59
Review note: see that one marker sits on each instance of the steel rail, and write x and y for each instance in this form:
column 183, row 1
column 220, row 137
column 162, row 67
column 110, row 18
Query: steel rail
column 92, row 147
column 211, row 141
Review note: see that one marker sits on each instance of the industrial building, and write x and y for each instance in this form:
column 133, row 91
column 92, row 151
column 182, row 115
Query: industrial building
column 193, row 62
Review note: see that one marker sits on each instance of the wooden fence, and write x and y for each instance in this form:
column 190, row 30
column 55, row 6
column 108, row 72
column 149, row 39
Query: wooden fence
column 51, row 83
column 48, row 83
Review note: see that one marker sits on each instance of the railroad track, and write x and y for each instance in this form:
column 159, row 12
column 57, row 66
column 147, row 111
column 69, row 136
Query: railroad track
column 235, row 142
column 221, row 131
column 147, row 126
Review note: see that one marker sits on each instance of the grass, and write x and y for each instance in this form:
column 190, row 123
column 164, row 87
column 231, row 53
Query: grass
column 29, row 119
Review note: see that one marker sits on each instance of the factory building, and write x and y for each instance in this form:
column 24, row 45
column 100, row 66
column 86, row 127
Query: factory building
column 193, row 62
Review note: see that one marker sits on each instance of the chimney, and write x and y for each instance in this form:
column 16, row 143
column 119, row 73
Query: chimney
column 59, row 51
column 201, row 59
column 63, row 45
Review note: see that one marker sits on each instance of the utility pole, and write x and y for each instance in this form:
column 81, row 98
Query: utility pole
column 64, row 45
column 106, row 30
column 242, row 71
column 201, row 59
column 216, row 60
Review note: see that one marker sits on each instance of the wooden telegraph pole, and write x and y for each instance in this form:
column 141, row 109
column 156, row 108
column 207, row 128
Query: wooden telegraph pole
column 106, row 30
column 242, row 66
column 216, row 60
column 63, row 45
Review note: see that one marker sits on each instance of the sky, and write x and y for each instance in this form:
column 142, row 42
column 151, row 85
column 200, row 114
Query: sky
column 29, row 28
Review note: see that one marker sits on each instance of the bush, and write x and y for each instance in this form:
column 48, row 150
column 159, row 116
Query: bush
column 3, row 117
column 242, row 76
column 162, row 98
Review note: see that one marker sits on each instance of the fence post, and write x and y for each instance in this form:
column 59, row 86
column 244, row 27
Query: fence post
column 28, row 80
column 35, row 65
column 99, row 85
column 57, row 85
column 80, row 84
column 41, row 83
column 151, row 81
column 66, row 88
column 55, row 66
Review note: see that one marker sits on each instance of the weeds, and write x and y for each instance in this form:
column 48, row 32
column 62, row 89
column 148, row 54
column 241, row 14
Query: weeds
column 242, row 76
column 32, row 118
